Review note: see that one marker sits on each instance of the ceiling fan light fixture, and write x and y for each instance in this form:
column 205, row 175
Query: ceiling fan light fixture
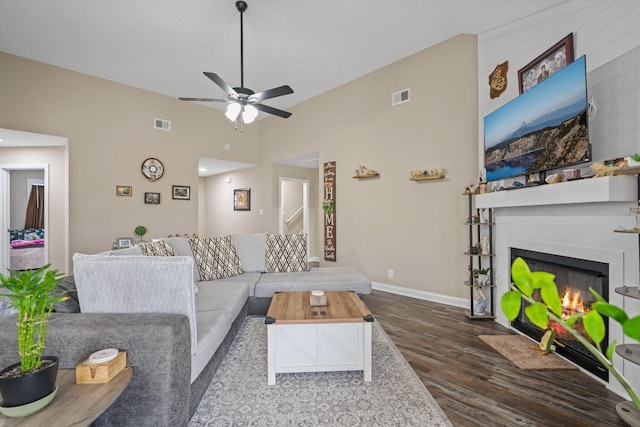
column 233, row 110
column 249, row 113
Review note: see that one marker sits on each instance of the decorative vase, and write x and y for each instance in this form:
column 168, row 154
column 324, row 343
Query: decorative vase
column 27, row 388
column 479, row 302
column 483, row 279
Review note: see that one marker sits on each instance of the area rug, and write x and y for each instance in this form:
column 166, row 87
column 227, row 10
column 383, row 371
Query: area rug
column 519, row 350
column 239, row 395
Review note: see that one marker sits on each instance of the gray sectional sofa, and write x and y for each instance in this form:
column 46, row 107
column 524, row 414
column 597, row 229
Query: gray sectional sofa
column 173, row 318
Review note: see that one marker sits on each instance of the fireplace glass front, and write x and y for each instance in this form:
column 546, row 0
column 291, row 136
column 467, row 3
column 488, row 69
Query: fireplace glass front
column 573, row 278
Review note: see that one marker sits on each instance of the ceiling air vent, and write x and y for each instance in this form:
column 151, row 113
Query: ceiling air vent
column 400, row 97
column 162, row 124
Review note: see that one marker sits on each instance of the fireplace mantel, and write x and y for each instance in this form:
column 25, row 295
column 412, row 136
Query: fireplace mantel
column 592, row 190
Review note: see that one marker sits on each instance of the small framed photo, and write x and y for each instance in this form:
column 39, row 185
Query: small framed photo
column 152, row 198
column 124, row 190
column 242, row 199
column 544, row 66
column 180, row 192
column 124, row 242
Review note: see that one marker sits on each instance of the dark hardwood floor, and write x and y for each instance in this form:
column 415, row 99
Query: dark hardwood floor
column 476, row 386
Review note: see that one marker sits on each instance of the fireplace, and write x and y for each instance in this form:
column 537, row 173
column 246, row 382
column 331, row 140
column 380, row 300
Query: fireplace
column 574, row 277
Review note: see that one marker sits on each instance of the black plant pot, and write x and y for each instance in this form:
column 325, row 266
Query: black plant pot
column 30, row 387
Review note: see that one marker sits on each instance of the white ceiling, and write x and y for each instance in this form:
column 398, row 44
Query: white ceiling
column 164, row 45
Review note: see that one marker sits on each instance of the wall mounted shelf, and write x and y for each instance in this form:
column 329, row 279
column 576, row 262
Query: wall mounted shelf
column 427, row 178
column 366, row 176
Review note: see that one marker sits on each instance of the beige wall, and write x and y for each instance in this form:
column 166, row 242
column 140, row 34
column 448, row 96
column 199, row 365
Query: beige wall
column 391, row 222
column 110, row 131
column 56, row 158
column 386, row 223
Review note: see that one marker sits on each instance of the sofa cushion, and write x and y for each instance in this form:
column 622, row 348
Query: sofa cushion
column 131, row 250
column 213, row 326
column 286, row 253
column 249, row 279
column 157, row 248
column 216, row 257
column 221, row 295
column 251, row 249
column 182, row 247
column 323, row 278
column 136, row 284
column 67, row 285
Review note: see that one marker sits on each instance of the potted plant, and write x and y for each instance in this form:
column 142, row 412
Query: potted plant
column 539, row 313
column 482, row 275
column 140, row 231
column 32, row 293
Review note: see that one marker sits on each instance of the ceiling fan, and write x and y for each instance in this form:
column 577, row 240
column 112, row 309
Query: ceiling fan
column 243, row 102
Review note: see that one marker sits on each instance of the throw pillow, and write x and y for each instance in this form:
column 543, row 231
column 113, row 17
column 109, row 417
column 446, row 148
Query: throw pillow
column 286, row 253
column 157, row 248
column 216, row 257
column 67, row 285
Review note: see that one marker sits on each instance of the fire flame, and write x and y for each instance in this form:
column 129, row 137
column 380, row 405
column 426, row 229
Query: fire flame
column 572, row 303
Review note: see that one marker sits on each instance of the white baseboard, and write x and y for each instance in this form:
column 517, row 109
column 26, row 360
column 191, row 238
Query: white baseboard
column 313, row 259
column 427, row 296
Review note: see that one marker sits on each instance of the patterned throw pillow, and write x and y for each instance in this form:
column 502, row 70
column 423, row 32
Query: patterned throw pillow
column 286, row 253
column 158, row 248
column 216, row 257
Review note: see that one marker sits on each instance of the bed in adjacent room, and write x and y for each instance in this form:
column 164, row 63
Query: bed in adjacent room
column 27, row 248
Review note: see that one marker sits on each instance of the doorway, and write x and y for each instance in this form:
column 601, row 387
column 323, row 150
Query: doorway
column 14, row 193
column 294, row 207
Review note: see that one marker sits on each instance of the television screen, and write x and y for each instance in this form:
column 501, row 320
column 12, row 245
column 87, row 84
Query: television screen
column 544, row 128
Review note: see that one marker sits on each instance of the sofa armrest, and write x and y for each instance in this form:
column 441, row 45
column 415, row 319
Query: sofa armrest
column 157, row 347
column 136, row 284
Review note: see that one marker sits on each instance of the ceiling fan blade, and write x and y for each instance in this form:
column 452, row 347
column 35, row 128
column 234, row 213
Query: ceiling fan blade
column 202, row 99
column 217, row 80
column 271, row 93
column 271, row 110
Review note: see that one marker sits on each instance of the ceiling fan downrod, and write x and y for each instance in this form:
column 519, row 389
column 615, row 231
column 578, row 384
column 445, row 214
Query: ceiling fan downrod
column 242, row 7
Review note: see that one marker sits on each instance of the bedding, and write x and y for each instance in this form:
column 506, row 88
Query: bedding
column 26, row 248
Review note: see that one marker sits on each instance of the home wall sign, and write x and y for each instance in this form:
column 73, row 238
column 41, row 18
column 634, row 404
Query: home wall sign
column 329, row 208
column 498, row 80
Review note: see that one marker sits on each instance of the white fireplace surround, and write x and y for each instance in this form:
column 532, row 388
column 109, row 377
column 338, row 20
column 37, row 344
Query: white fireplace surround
column 575, row 219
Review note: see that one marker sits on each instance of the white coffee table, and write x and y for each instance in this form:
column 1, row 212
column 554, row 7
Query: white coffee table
column 335, row 337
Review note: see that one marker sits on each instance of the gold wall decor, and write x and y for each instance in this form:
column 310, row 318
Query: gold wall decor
column 498, row 80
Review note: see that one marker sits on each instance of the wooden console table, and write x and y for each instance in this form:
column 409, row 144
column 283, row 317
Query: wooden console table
column 74, row 404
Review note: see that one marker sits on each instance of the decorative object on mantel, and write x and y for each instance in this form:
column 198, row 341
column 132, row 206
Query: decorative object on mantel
column 427, row 174
column 633, row 160
column 470, row 189
column 602, row 170
column 364, row 172
column 329, row 174
column 185, row 235
column 547, row 64
column 540, row 313
column 498, row 80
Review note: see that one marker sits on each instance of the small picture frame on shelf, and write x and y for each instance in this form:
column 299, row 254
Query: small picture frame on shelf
column 124, row 242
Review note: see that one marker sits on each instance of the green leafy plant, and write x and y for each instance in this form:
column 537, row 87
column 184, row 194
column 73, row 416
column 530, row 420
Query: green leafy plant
column 539, row 313
column 327, row 206
column 33, row 293
column 482, row 270
column 636, row 157
column 140, row 231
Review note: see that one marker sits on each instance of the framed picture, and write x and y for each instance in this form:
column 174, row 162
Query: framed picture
column 124, row 242
column 547, row 64
column 242, row 199
column 124, row 190
column 152, row 198
column 181, row 192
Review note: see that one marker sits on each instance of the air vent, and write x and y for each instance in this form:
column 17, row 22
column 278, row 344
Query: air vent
column 162, row 124
column 400, row 97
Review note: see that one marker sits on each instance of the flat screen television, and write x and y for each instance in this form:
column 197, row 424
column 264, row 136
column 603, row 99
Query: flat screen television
column 544, row 128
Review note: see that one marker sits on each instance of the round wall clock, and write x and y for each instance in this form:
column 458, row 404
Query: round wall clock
column 152, row 169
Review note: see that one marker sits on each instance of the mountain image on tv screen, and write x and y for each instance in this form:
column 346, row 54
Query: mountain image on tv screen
column 544, row 128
